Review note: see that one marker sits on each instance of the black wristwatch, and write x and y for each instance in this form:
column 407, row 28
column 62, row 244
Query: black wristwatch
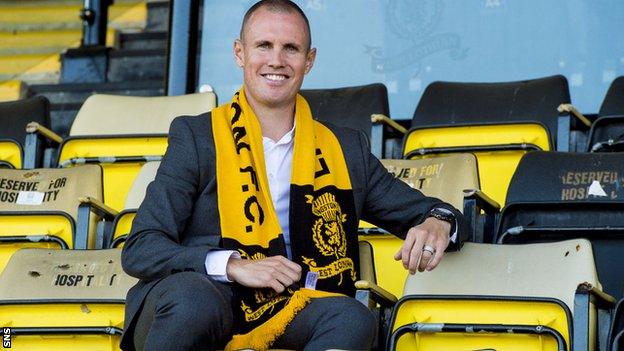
column 443, row 215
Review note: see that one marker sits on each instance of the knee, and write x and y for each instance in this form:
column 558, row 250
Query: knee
column 358, row 317
column 193, row 300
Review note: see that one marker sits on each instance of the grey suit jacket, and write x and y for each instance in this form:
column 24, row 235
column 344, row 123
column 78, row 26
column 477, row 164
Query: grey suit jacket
column 178, row 222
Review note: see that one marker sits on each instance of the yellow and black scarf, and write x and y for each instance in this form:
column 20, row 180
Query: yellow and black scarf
column 323, row 223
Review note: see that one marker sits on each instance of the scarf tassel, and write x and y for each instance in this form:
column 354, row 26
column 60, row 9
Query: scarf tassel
column 262, row 337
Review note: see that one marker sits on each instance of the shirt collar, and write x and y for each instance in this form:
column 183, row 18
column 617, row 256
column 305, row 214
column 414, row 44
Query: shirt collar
column 286, row 139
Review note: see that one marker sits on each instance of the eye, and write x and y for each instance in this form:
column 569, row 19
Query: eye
column 291, row 48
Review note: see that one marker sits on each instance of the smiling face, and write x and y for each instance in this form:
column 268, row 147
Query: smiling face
column 274, row 55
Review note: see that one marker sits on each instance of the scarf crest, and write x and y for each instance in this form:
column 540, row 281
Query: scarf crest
column 323, row 223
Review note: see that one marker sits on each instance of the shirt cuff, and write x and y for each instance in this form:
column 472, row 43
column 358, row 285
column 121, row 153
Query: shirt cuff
column 216, row 264
column 454, row 226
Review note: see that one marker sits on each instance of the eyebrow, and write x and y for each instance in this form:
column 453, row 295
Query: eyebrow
column 292, row 46
column 287, row 45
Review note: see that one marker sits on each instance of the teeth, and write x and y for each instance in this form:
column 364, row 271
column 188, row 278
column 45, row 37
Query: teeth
column 275, row 77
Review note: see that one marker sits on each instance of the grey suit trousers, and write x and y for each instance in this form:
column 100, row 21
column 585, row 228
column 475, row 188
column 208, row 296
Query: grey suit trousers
column 190, row 311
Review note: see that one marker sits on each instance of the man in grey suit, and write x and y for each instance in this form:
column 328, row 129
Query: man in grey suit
column 183, row 300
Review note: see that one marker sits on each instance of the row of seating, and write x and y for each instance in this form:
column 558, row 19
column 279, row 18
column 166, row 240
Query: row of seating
column 571, row 186
column 559, row 206
column 442, row 177
column 499, row 122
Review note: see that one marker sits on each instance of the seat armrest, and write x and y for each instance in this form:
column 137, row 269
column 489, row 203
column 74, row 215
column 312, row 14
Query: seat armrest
column 379, row 118
column 371, row 294
column 474, row 201
column 36, row 150
column 600, row 298
column 483, row 202
column 36, row 128
column 371, row 291
column 98, row 207
column 585, row 296
column 86, row 207
column 569, row 108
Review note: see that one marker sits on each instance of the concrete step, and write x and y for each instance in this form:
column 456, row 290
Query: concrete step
column 44, row 41
column 142, row 41
column 34, row 32
column 132, row 65
column 33, row 63
column 157, row 16
column 59, row 14
column 11, row 90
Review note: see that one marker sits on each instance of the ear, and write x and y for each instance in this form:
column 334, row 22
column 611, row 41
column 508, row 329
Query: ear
column 311, row 56
column 239, row 53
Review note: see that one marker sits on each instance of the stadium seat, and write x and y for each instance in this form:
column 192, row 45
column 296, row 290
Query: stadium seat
column 14, row 116
column 607, row 132
column 64, row 299
column 48, row 208
column 123, row 221
column 444, row 177
column 558, row 196
column 352, row 107
column 502, row 297
column 499, row 122
column 616, row 332
column 122, row 132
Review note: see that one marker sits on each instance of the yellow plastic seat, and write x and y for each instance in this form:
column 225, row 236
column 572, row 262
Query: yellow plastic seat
column 123, row 221
column 39, row 208
column 498, row 122
column 502, row 146
column 14, row 116
column 64, row 299
column 10, row 154
column 443, row 177
column 121, row 133
column 537, row 287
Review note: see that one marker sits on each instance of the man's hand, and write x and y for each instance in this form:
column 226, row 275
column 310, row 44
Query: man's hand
column 430, row 233
column 276, row 272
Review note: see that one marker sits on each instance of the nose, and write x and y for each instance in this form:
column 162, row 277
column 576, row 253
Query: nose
column 276, row 59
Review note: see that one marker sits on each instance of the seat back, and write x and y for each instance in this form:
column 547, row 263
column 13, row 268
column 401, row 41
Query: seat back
column 121, row 133
column 556, row 196
column 64, row 300
column 123, row 222
column 350, row 106
column 616, row 331
column 444, row 177
column 607, row 132
column 454, row 103
column 14, row 116
column 613, row 103
column 103, row 114
column 498, row 284
column 499, row 122
column 39, row 207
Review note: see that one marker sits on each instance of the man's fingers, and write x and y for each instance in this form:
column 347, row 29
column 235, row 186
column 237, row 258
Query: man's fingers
column 407, row 247
column 284, row 279
column 397, row 255
column 433, row 263
column 427, row 256
column 284, row 265
column 294, row 267
column 438, row 256
column 415, row 255
column 277, row 286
